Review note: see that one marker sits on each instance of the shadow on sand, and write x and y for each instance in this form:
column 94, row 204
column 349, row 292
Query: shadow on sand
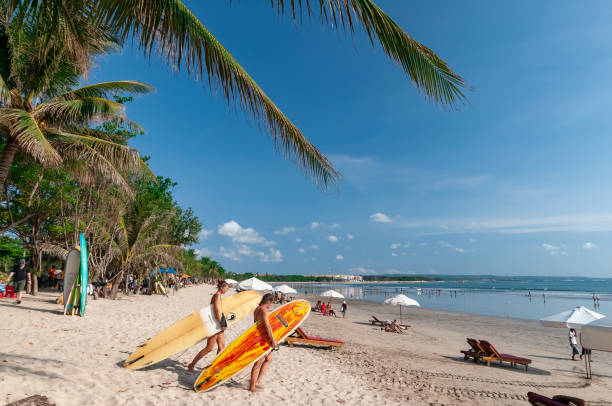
column 504, row 366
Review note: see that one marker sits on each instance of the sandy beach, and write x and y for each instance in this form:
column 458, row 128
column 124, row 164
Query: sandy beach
column 74, row 360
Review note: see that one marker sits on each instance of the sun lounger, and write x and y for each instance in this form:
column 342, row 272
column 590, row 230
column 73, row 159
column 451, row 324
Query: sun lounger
column 476, row 351
column 559, row 400
column 299, row 336
column 375, row 321
column 491, row 354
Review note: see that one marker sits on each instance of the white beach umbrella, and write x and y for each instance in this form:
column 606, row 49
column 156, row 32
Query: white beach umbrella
column 254, row 284
column 598, row 335
column 575, row 318
column 231, row 281
column 285, row 289
column 402, row 300
column 332, row 293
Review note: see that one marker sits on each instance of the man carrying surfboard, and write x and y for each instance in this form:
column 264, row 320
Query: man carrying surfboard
column 218, row 338
column 259, row 367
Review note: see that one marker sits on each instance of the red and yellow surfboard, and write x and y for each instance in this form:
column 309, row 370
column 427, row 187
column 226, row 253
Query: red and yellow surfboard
column 253, row 344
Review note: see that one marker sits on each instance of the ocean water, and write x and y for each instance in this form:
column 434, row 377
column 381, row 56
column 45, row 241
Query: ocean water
column 525, row 297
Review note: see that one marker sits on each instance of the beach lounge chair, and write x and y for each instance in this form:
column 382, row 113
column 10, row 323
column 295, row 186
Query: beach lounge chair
column 559, row 400
column 299, row 336
column 491, row 354
column 375, row 321
column 476, row 351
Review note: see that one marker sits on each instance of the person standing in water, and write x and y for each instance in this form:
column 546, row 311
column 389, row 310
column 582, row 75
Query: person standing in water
column 218, row 338
column 261, row 315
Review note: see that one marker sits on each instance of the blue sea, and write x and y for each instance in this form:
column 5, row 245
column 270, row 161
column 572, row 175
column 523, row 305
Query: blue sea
column 526, row 297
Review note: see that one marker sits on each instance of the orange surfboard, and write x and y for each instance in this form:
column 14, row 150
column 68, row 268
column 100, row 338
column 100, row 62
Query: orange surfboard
column 253, row 344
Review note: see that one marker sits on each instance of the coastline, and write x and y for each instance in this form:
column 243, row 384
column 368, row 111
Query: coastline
column 422, row 366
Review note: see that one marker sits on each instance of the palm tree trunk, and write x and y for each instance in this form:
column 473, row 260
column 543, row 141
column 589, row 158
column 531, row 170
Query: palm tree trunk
column 6, row 160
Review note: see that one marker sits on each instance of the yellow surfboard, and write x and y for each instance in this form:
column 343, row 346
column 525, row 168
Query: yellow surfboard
column 252, row 344
column 192, row 329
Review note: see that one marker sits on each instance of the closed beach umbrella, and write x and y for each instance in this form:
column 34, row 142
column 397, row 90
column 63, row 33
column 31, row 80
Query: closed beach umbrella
column 575, row 318
column 285, row 289
column 402, row 300
column 231, row 281
column 254, row 284
column 332, row 293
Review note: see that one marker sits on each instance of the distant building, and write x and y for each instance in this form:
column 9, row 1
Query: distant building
column 354, row 278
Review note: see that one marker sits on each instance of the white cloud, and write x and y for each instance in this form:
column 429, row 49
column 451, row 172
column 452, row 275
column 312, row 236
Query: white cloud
column 203, row 252
column 273, row 255
column 362, row 271
column 284, row 231
column 230, row 254
column 335, row 225
column 472, row 240
column 339, row 257
column 298, row 240
column 461, row 250
column 234, row 231
column 397, row 245
column 314, row 247
column 302, row 250
column 589, row 245
column 554, row 249
column 444, row 227
column 333, row 238
column 204, row 234
column 513, row 225
column 394, row 254
column 315, row 224
column 380, row 218
column 350, row 236
column 244, row 251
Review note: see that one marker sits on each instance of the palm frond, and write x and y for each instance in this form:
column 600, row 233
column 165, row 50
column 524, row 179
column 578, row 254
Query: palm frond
column 429, row 73
column 32, row 141
column 184, row 40
column 82, row 110
column 54, row 250
column 96, row 161
column 121, row 156
column 106, row 89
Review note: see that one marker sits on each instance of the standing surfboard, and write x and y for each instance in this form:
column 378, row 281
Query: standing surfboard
column 71, row 271
column 253, row 344
column 192, row 329
column 84, row 275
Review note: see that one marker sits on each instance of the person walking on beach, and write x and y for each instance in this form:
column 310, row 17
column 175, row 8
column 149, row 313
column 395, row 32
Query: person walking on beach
column 20, row 274
column 573, row 343
column 261, row 315
column 218, row 338
column 343, row 309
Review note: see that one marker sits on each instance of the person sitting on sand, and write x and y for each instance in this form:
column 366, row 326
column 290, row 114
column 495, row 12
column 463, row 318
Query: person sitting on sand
column 21, row 274
column 330, row 311
column 261, row 315
column 218, row 338
column 392, row 327
column 318, row 307
column 323, row 309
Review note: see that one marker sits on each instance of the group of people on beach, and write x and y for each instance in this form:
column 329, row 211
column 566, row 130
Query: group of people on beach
column 260, row 315
column 327, row 310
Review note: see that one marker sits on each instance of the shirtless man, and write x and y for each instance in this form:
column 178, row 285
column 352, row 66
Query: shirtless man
column 261, row 314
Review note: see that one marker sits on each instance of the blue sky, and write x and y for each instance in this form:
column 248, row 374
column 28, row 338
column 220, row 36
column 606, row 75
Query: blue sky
column 516, row 182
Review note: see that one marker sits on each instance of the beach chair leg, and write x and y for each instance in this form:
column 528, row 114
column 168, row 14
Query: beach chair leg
column 488, row 362
column 290, row 344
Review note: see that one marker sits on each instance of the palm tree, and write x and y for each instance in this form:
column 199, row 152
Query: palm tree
column 170, row 29
column 45, row 118
column 140, row 248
